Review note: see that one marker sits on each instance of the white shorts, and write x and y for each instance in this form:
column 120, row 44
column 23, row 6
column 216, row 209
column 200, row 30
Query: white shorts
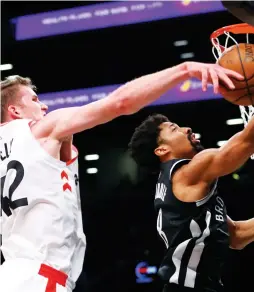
column 22, row 275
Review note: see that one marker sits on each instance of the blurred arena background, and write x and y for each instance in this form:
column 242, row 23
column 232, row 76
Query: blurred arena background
column 77, row 52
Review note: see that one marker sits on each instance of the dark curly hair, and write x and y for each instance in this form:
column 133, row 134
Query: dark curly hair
column 145, row 140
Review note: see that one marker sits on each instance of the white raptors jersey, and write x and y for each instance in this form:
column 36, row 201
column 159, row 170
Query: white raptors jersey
column 41, row 211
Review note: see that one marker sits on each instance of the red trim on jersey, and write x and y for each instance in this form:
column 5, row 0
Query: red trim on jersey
column 54, row 277
column 67, row 186
column 73, row 159
column 64, row 174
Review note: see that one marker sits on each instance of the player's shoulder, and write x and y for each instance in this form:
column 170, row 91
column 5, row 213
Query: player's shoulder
column 16, row 121
column 44, row 126
column 15, row 124
column 190, row 173
column 205, row 156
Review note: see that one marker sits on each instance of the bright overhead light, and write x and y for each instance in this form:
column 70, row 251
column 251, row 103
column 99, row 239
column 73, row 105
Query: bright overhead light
column 236, row 176
column 6, row 67
column 92, row 157
column 197, row 136
column 92, row 170
column 231, row 122
column 187, row 55
column 221, row 143
column 180, row 43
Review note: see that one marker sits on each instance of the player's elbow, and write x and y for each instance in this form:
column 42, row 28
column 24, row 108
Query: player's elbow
column 125, row 106
column 237, row 238
column 237, row 246
column 234, row 244
column 128, row 100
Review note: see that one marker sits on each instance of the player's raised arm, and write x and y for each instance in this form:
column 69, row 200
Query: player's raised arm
column 213, row 163
column 131, row 97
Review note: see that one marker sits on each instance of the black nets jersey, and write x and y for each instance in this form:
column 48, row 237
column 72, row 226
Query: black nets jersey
column 195, row 234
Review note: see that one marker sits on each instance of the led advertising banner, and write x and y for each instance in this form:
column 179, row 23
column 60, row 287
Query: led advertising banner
column 106, row 15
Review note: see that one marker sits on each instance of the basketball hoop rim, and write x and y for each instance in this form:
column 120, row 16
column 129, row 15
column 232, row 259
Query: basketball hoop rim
column 240, row 28
column 247, row 112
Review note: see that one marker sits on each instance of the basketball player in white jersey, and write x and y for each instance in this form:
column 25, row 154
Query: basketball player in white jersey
column 42, row 237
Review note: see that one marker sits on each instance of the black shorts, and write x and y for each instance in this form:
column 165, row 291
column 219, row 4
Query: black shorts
column 176, row 288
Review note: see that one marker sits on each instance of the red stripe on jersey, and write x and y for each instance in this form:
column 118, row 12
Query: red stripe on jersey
column 73, row 159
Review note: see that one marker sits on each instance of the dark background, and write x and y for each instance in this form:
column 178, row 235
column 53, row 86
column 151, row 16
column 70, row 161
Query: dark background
column 119, row 219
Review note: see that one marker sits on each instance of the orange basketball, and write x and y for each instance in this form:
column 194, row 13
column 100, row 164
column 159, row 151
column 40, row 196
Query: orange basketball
column 239, row 58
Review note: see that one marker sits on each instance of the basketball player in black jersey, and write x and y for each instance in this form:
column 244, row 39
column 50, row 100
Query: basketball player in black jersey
column 192, row 218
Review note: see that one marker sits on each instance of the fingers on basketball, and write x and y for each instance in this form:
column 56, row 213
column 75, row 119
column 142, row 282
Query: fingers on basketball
column 239, row 58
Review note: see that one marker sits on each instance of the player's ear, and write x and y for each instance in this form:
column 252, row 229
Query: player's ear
column 14, row 112
column 162, row 150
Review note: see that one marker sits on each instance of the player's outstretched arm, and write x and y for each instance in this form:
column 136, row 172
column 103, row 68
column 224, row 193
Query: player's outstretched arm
column 241, row 233
column 130, row 98
column 210, row 164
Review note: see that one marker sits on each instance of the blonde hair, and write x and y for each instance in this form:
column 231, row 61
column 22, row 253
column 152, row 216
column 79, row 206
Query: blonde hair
column 9, row 88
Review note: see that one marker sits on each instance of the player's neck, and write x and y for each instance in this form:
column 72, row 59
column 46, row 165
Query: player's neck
column 8, row 119
column 171, row 156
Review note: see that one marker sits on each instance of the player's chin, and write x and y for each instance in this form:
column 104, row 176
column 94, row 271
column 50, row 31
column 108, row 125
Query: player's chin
column 198, row 147
column 38, row 118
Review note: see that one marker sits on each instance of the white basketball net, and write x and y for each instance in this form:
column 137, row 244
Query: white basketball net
column 247, row 112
